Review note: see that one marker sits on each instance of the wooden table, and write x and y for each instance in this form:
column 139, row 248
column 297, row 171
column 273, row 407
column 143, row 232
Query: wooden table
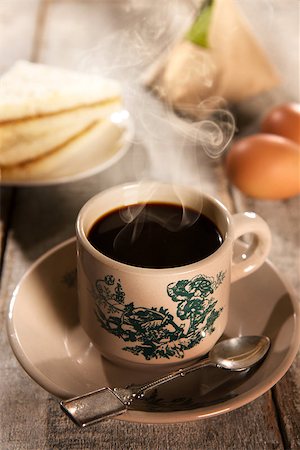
column 119, row 38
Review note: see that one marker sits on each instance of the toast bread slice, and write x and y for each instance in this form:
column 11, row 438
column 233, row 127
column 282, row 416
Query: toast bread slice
column 29, row 90
column 25, row 140
column 97, row 142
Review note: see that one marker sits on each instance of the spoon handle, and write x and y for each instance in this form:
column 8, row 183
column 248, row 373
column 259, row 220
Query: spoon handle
column 105, row 403
column 139, row 390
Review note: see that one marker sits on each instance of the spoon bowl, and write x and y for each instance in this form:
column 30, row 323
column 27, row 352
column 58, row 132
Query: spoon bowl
column 239, row 353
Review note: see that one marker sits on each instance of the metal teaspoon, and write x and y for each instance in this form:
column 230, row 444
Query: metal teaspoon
column 236, row 354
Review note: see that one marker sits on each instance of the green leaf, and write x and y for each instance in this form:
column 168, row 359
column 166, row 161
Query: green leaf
column 198, row 33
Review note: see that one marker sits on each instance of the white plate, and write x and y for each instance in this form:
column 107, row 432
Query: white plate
column 92, row 164
column 51, row 346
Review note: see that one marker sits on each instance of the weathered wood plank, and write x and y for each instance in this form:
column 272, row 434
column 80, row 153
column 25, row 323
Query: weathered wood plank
column 286, row 396
column 76, row 34
column 242, row 431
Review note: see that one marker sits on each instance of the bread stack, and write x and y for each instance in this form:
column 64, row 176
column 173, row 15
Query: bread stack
column 48, row 116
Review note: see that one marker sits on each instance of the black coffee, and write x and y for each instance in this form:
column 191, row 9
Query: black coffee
column 155, row 235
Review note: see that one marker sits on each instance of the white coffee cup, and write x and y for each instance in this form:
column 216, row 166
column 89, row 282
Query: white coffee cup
column 155, row 316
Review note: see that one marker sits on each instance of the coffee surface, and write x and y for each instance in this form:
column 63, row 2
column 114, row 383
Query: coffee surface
column 155, row 235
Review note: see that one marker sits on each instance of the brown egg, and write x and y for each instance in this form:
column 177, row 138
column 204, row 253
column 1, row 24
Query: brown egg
column 265, row 166
column 283, row 120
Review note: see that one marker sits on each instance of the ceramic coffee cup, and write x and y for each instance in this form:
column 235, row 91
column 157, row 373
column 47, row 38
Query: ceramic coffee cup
column 161, row 316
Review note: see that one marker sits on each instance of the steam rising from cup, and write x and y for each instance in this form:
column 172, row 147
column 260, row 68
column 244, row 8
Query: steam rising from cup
column 135, row 216
column 173, row 146
column 151, row 31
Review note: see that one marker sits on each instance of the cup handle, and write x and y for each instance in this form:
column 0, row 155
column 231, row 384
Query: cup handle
column 253, row 257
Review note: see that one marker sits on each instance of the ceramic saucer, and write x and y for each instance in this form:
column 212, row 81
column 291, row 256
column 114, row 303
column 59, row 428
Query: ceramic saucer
column 49, row 343
column 96, row 159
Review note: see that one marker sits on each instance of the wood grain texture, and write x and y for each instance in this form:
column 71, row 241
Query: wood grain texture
column 242, row 431
column 78, row 35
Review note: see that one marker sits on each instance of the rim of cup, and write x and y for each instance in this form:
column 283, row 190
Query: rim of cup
column 82, row 228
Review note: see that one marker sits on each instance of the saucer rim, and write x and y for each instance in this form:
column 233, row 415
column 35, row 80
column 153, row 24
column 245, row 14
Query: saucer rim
column 139, row 416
